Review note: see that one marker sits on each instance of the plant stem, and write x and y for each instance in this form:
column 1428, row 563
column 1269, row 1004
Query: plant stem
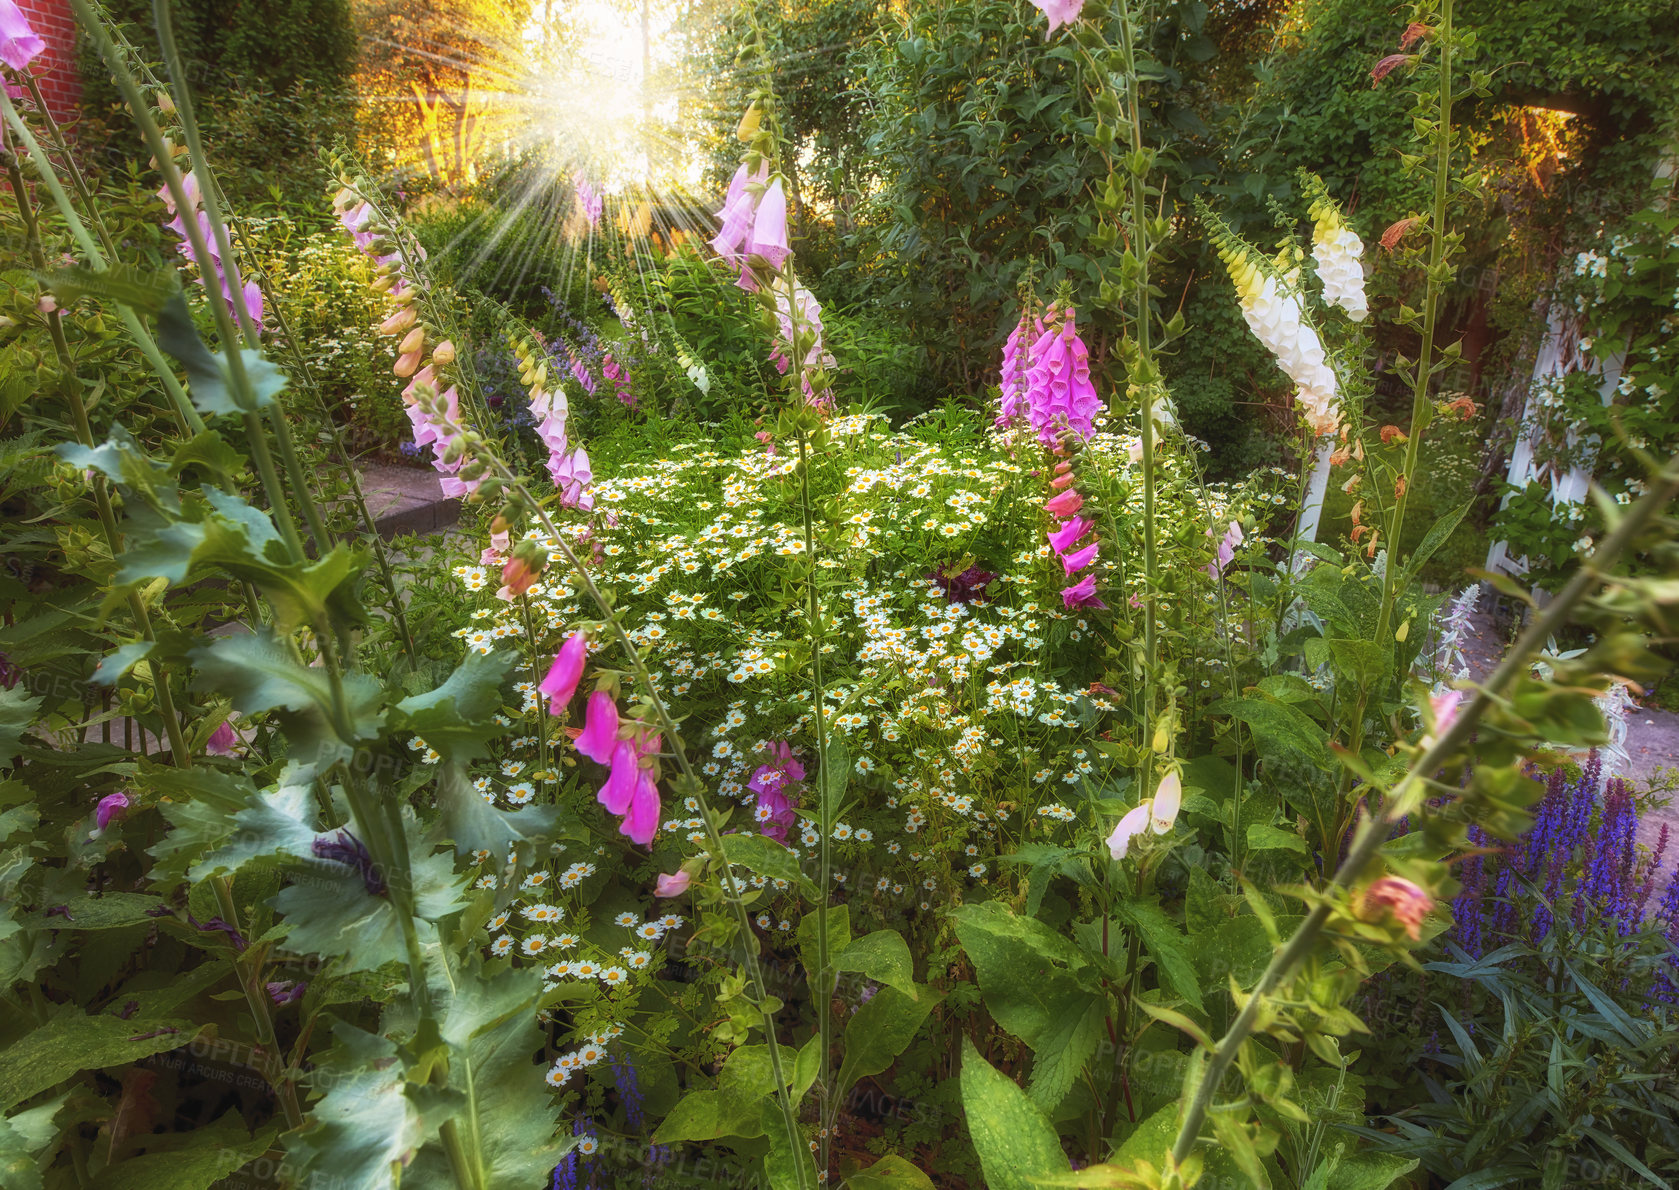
column 256, row 997
column 72, row 388
column 1420, row 409
column 1373, row 831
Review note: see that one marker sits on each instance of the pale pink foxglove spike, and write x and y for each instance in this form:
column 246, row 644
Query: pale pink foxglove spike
column 19, row 43
column 1059, row 12
column 1064, row 504
column 769, row 227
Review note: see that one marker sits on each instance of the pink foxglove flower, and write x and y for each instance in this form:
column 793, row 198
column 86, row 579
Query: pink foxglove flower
column 1016, row 363
column 600, row 728
column 672, row 884
column 19, row 43
column 571, row 475
column 774, row 812
column 817, row 356
column 566, row 671
column 249, row 295
column 1064, row 504
column 221, row 740
column 1059, row 12
column 1226, row 549
column 1081, row 594
column 112, row 808
column 735, row 233
column 632, row 787
column 1073, row 563
column 769, row 227
column 1059, row 393
column 1068, row 535
column 588, row 200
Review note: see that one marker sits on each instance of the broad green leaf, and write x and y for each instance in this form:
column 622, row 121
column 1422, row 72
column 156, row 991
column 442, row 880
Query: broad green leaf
column 835, row 780
column 259, row 674
column 1279, row 726
column 1014, row 1139
column 511, row 1116
column 368, row 1126
column 476, row 825
column 1371, row 1171
column 891, row 1172
column 709, row 1115
column 839, row 936
column 884, row 957
column 881, row 1030
column 1062, row 1050
column 146, row 291
column 277, row 821
column 1437, row 536
column 1238, row 948
column 120, row 660
column 110, row 911
column 1271, row 838
column 1362, row 664
column 1167, row 946
column 205, row 1156
column 456, row 718
column 71, row 1042
column 763, row 856
column 208, row 383
column 789, row 1163
column 17, row 714
column 24, row 1144
column 1204, row 903
column 200, row 804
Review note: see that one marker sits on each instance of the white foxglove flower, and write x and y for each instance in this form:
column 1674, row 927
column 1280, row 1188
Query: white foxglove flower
column 1337, row 249
column 1168, row 798
column 1135, row 822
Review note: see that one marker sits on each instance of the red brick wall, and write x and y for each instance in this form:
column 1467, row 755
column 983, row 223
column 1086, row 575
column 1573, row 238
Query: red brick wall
column 56, row 67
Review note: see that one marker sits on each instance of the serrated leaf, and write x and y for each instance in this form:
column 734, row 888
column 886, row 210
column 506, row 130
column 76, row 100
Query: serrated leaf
column 258, row 674
column 891, row 1172
column 1271, row 838
column 474, row 824
column 24, row 1144
column 206, row 1156
column 1167, row 946
column 111, row 911
column 1278, row 726
column 145, row 290
column 17, row 715
column 115, row 664
column 279, row 821
column 1015, row 1141
column 455, row 719
column 71, row 1042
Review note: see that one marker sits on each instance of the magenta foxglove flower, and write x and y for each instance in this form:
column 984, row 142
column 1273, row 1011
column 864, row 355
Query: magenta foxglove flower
column 672, row 884
column 566, row 671
column 1067, row 536
column 632, row 787
column 600, row 728
column 112, row 808
column 1059, row 394
column 1016, row 363
column 222, row 740
column 1081, row 594
column 774, row 812
column 1059, row 12
column 19, row 43
column 1064, row 504
column 1073, row 563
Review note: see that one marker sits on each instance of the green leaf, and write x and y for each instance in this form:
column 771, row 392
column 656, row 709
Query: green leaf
column 277, row 821
column 24, row 1144
column 145, row 290
column 208, row 383
column 17, row 715
column 1271, row 838
column 1167, row 946
column 476, row 825
column 763, row 856
column 455, row 718
column 1279, row 726
column 200, row 804
column 368, row 1126
column 789, row 1164
column 884, row 957
column 259, row 674
column 206, row 1156
column 111, row 911
column 1372, row 1171
column 891, row 1172
column 71, row 1042
column 1436, row 537
column 881, row 1030
column 120, row 660
column 839, row 936
column 1013, row 1138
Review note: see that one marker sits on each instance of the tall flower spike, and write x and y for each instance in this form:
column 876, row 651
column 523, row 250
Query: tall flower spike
column 1336, row 250
column 1059, row 394
column 566, row 671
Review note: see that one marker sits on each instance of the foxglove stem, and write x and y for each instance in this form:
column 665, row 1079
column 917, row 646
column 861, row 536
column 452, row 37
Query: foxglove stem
column 256, row 998
column 1412, row 788
column 186, row 417
column 178, row 749
column 1431, row 308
